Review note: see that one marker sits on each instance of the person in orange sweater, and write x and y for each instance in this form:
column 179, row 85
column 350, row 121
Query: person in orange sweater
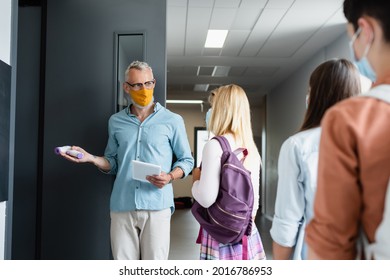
column 354, row 157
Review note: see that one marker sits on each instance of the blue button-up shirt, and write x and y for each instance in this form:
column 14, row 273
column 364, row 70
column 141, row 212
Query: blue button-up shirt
column 160, row 136
column 297, row 184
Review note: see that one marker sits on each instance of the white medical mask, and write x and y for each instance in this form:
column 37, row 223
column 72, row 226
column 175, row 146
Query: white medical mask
column 363, row 64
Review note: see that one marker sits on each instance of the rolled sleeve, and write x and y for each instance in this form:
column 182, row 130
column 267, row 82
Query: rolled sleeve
column 110, row 153
column 283, row 232
column 181, row 149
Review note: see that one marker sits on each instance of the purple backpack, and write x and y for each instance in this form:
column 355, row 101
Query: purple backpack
column 229, row 219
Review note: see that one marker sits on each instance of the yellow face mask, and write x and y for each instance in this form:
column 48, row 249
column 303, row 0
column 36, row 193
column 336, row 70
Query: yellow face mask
column 142, row 97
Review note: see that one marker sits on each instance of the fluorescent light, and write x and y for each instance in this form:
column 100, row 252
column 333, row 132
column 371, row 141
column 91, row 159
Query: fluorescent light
column 173, row 101
column 215, row 38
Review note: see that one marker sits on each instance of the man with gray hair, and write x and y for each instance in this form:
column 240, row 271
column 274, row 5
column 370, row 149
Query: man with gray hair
column 144, row 131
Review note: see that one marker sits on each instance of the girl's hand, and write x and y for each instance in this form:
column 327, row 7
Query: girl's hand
column 196, row 172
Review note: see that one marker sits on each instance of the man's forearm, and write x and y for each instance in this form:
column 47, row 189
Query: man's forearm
column 177, row 173
column 101, row 163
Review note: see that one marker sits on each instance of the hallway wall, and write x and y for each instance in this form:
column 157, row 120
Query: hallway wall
column 286, row 109
column 8, row 42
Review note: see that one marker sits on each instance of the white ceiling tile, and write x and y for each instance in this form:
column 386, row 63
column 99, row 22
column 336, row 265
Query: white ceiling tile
column 183, row 70
column 260, row 71
column 332, row 29
column 318, row 7
column 211, row 52
column 263, row 29
column 176, row 24
column 227, row 3
column 296, row 27
column 237, row 71
column 179, row 3
column 280, row 4
column 222, row 18
column 234, row 42
column 337, row 18
column 201, row 3
column 247, row 14
column 196, row 33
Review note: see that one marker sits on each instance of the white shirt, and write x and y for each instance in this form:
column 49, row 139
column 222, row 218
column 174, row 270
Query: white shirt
column 205, row 190
column 297, row 183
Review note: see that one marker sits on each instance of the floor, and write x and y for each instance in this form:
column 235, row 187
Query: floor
column 184, row 231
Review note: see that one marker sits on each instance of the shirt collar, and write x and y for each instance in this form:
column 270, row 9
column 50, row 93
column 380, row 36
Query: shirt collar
column 157, row 107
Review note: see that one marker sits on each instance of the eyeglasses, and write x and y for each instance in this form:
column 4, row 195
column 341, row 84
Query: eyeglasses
column 138, row 86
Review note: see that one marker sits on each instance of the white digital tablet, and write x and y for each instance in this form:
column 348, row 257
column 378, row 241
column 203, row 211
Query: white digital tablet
column 142, row 169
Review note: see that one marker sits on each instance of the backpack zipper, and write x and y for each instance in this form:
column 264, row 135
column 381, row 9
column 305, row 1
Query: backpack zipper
column 228, row 213
column 237, row 231
column 236, row 167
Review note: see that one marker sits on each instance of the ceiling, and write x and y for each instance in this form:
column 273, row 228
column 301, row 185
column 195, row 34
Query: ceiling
column 267, row 41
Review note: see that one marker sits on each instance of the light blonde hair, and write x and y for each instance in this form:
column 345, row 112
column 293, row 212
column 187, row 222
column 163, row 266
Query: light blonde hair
column 231, row 114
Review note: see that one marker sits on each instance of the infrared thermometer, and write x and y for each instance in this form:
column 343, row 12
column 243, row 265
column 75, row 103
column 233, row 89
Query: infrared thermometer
column 68, row 150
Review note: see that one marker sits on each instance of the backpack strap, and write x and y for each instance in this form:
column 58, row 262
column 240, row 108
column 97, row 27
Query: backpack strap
column 245, row 247
column 226, row 147
column 238, row 151
column 223, row 142
column 200, row 236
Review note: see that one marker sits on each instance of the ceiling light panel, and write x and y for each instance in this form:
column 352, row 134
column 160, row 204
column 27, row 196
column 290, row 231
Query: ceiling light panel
column 221, row 71
column 205, row 70
column 215, row 38
column 201, row 87
column 177, row 101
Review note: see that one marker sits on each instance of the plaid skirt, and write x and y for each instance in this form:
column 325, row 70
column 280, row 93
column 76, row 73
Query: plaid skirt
column 210, row 249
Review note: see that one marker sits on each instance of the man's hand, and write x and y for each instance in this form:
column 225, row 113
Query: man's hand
column 87, row 157
column 159, row 180
column 100, row 162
